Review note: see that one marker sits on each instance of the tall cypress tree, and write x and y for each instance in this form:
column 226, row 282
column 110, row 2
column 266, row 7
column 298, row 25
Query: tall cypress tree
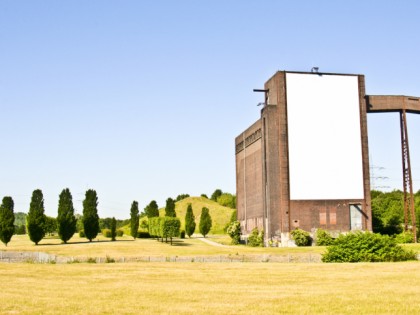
column 90, row 215
column 36, row 217
column 66, row 220
column 134, row 219
column 189, row 221
column 170, row 208
column 7, row 219
column 152, row 209
column 205, row 222
column 113, row 228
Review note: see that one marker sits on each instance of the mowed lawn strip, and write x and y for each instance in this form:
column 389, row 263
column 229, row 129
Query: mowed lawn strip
column 127, row 247
column 210, row 288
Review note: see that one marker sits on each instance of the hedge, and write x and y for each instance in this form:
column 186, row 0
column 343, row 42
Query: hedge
column 164, row 228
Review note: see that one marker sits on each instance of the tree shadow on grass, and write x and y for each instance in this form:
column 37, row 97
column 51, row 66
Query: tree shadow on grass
column 84, row 242
column 179, row 243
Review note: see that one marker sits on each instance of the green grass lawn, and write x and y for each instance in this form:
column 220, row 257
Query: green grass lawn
column 210, row 288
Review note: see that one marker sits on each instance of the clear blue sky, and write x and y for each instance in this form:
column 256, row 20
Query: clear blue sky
column 142, row 100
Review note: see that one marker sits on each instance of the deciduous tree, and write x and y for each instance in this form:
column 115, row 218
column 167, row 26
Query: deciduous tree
column 50, row 225
column 216, row 194
column 152, row 209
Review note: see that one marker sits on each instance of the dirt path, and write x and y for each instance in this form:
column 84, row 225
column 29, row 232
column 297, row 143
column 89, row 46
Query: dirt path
column 210, row 242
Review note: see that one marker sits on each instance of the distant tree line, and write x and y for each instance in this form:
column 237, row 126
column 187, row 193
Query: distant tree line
column 388, row 212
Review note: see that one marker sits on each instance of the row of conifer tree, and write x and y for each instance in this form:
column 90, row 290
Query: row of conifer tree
column 67, row 221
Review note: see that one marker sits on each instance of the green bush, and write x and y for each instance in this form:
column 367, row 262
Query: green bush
column 227, row 200
column 82, row 233
column 323, row 238
column 164, row 228
column 120, row 233
column 256, row 238
column 234, row 231
column 20, row 229
column 182, row 234
column 106, row 233
column 141, row 234
column 301, row 237
column 366, row 247
column 405, row 237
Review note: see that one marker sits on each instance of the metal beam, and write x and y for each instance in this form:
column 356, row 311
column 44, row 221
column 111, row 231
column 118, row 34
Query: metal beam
column 393, row 103
column 409, row 211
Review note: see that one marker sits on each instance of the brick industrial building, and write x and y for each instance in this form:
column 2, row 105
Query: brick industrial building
column 305, row 162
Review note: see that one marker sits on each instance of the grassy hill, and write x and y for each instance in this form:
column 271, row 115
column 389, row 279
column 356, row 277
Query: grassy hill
column 220, row 215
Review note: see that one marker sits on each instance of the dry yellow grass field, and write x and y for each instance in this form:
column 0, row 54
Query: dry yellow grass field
column 126, row 247
column 210, row 288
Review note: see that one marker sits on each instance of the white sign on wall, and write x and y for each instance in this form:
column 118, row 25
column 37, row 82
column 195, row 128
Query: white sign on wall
column 325, row 146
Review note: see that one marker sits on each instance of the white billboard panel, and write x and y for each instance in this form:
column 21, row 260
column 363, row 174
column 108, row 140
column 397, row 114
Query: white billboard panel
column 325, row 148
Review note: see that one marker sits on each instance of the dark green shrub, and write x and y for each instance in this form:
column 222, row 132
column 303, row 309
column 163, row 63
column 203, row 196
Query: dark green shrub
column 405, row 237
column 301, row 237
column 366, row 247
column 323, row 238
column 141, row 234
column 256, row 238
column 82, row 233
column 120, row 233
column 182, row 234
column 234, row 231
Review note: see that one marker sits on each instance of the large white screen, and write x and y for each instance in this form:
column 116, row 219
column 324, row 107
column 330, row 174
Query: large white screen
column 325, row 150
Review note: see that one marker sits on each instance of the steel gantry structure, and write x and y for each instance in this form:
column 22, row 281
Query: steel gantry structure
column 402, row 105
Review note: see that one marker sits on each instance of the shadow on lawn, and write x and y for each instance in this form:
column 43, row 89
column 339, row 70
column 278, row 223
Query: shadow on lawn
column 176, row 243
column 84, row 242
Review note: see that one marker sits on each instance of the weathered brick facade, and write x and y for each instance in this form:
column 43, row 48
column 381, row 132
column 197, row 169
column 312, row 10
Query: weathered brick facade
column 262, row 175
